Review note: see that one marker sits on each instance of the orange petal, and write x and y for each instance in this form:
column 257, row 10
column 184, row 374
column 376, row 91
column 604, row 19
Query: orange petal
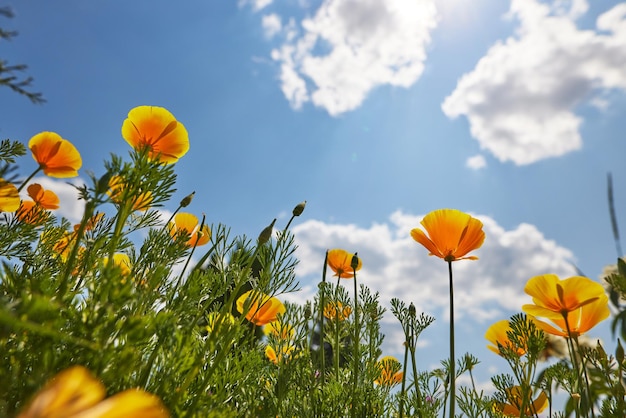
column 57, row 156
column 9, row 197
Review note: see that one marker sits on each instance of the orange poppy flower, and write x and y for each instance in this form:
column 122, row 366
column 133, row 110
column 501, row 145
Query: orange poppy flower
column 47, row 199
column 340, row 261
column 497, row 335
column 452, row 234
column 189, row 223
column 141, row 202
column 75, row 393
column 55, row 155
column 336, row 310
column 390, row 373
column 156, row 129
column 514, row 398
column 33, row 211
column 260, row 309
column 576, row 304
column 122, row 261
column 9, row 196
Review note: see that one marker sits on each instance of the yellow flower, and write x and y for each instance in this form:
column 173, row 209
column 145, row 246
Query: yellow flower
column 122, row 261
column 336, row 310
column 340, row 261
column 156, row 129
column 260, row 308
column 276, row 358
column 217, row 320
column 9, row 196
column 452, row 234
column 141, row 202
column 55, row 155
column 75, row 393
column 514, row 403
column 189, row 223
column 575, row 305
column 390, row 373
column 279, row 329
column 497, row 335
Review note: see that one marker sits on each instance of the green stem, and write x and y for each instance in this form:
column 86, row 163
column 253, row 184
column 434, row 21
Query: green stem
column 412, row 344
column 357, row 335
column 452, row 359
column 406, row 356
column 25, row 182
column 322, row 328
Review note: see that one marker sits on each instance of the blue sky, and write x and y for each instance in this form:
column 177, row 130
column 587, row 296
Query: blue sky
column 374, row 111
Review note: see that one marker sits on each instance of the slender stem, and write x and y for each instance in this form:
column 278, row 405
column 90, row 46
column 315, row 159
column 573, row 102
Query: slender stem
column 336, row 324
column 357, row 335
column 406, row 355
column 25, row 182
column 452, row 359
column 412, row 344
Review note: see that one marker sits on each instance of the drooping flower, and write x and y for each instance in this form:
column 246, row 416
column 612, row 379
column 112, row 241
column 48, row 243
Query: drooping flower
column 189, row 223
column 259, row 308
column 390, row 373
column 75, row 393
column 497, row 335
column 282, row 355
column 452, row 234
column 156, row 129
column 9, row 196
column 336, row 310
column 340, row 261
column 56, row 156
column 32, row 211
column 575, row 304
column 141, row 201
column 512, row 407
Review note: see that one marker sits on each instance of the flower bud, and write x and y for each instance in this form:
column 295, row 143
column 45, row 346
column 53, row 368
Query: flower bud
column 354, row 263
column 412, row 310
column 297, row 211
column 266, row 234
column 187, row 200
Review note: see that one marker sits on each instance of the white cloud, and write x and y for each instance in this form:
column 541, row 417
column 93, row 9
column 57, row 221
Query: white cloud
column 521, row 96
column 476, row 162
column 394, row 265
column 256, row 4
column 349, row 47
column 397, row 266
column 271, row 25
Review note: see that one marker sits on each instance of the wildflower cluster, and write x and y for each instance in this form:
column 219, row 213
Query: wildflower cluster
column 140, row 310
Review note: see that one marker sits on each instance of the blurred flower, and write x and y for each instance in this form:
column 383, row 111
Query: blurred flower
column 575, row 305
column 340, row 261
column 122, row 261
column 514, row 403
column 336, row 310
column 55, row 155
column 555, row 347
column 61, row 246
column 141, row 201
column 218, row 320
column 9, row 196
column 189, row 223
column 390, row 373
column 156, row 129
column 280, row 330
column 31, row 211
column 497, row 335
column 276, row 358
column 75, row 393
column 452, row 234
column 260, row 309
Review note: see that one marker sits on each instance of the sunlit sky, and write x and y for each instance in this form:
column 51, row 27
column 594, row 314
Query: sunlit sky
column 375, row 112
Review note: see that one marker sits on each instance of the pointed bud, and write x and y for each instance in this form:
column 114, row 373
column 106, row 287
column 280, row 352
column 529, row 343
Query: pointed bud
column 103, row 183
column 354, row 263
column 619, row 352
column 297, row 211
column 187, row 200
column 412, row 310
column 266, row 234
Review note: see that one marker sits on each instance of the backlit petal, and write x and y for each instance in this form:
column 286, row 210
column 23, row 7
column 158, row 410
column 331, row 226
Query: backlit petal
column 55, row 155
column 9, row 197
